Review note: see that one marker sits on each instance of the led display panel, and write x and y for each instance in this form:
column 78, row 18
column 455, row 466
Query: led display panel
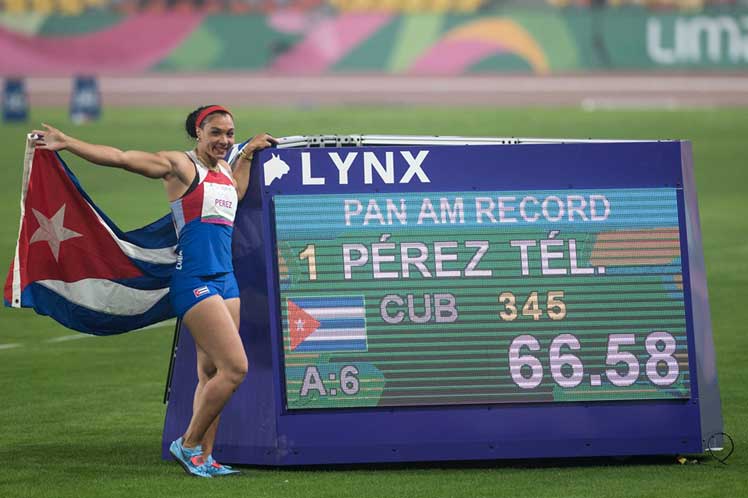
column 481, row 297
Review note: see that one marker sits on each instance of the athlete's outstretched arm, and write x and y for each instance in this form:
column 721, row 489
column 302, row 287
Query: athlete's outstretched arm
column 152, row 165
column 244, row 160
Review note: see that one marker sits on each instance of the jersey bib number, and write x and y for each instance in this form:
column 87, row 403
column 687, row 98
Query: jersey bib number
column 219, row 203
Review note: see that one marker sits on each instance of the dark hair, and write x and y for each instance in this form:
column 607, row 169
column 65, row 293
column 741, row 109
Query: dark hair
column 189, row 123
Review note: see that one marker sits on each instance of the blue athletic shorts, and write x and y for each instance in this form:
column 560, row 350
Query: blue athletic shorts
column 186, row 291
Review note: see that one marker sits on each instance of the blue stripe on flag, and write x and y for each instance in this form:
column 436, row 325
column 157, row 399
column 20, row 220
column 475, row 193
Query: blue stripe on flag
column 349, row 345
column 144, row 282
column 71, row 315
column 156, row 235
column 329, row 302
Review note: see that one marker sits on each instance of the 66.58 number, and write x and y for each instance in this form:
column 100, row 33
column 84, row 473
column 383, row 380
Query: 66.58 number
column 661, row 367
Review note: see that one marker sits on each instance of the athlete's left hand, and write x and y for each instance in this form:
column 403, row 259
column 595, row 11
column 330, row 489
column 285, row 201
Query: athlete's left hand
column 259, row 142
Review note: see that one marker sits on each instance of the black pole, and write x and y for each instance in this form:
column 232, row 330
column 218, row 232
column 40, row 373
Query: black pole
column 172, row 359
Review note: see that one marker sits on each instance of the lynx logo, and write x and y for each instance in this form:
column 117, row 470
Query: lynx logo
column 384, row 165
column 274, row 168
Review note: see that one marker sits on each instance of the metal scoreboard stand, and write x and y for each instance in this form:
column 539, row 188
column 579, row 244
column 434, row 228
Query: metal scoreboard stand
column 410, row 298
column 315, row 141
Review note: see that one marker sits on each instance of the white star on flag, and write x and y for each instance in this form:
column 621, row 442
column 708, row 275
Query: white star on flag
column 299, row 324
column 52, row 230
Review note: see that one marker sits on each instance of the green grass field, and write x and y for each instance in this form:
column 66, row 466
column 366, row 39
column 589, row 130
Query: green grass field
column 83, row 417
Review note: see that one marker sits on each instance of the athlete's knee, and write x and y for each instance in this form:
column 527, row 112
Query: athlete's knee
column 206, row 372
column 236, row 370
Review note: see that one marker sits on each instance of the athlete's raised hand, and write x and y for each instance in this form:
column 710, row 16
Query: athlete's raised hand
column 49, row 139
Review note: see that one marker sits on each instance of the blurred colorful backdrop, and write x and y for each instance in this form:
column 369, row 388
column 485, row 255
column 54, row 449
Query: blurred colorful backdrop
column 406, row 37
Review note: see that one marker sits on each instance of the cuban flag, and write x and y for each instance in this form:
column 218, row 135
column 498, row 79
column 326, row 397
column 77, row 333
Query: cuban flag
column 326, row 324
column 73, row 264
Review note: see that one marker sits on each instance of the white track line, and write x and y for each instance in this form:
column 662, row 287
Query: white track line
column 616, row 104
column 75, row 337
column 65, row 338
column 81, row 335
column 165, row 323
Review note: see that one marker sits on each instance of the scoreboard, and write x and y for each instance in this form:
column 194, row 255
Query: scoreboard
column 468, row 301
column 481, row 297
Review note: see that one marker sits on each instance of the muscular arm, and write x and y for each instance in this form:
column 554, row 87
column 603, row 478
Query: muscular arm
column 151, row 165
column 243, row 162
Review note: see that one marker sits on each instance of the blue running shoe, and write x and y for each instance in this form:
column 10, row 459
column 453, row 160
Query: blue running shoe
column 215, row 469
column 191, row 459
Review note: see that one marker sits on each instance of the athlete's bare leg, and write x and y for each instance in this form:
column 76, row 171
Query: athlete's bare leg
column 215, row 332
column 205, row 371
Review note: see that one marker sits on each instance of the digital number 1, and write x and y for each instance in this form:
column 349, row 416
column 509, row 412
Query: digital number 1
column 308, row 254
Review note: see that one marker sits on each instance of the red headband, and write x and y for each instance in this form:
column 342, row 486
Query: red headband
column 210, row 110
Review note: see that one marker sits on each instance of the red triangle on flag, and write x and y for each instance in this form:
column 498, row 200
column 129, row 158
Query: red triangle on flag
column 300, row 324
column 61, row 236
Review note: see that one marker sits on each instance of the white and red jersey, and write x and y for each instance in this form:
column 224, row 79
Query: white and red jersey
column 204, row 219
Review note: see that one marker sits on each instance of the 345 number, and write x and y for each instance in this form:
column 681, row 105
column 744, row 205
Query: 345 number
column 554, row 306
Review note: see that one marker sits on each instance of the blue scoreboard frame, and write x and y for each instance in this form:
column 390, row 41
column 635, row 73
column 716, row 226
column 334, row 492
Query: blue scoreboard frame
column 260, row 425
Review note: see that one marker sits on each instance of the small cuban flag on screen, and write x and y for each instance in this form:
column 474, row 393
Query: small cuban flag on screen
column 326, row 324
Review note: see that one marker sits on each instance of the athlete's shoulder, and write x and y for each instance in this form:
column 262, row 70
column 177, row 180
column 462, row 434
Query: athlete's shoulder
column 173, row 155
column 182, row 166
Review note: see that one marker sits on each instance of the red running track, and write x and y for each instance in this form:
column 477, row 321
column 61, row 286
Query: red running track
column 241, row 89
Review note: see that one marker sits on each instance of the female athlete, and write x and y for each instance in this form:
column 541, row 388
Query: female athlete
column 203, row 193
